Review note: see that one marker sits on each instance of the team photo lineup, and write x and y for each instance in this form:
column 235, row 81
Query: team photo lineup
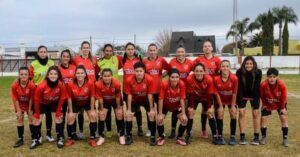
column 83, row 86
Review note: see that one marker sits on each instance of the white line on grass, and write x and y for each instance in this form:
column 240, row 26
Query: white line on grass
column 6, row 120
column 294, row 95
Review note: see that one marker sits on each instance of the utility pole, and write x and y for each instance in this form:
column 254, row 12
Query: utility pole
column 134, row 39
column 91, row 44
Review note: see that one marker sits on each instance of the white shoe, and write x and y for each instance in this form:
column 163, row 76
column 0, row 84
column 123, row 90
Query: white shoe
column 100, row 141
column 81, row 136
column 122, row 140
column 148, row 134
column 50, row 139
column 40, row 140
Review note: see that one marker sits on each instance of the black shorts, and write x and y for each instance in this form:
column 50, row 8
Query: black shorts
column 77, row 108
column 136, row 106
column 265, row 112
column 48, row 108
column 156, row 98
column 108, row 106
column 176, row 112
column 254, row 104
column 204, row 105
column 125, row 97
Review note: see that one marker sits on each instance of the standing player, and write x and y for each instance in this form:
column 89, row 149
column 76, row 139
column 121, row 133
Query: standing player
column 129, row 59
column 172, row 99
column 157, row 67
column 212, row 67
column 67, row 71
column 226, row 85
column 140, row 93
column 249, row 77
column 22, row 92
column 184, row 66
column 37, row 73
column 81, row 96
column 201, row 90
column 113, row 62
column 108, row 93
column 89, row 62
column 49, row 97
column 273, row 93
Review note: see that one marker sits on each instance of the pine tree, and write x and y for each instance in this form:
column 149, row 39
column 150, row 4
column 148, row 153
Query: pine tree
column 285, row 39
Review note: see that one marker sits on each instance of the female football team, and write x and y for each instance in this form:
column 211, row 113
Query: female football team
column 83, row 83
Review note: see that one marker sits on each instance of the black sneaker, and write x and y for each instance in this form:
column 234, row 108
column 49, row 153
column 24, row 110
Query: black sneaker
column 188, row 139
column 75, row 137
column 140, row 131
column 172, row 135
column 128, row 140
column 215, row 140
column 152, row 141
column 221, row 141
column 255, row 141
column 243, row 141
column 19, row 143
column 35, row 143
column 60, row 142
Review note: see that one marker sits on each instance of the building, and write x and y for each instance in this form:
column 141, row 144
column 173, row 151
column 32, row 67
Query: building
column 192, row 43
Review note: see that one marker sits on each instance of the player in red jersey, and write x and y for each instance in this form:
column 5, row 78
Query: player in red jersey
column 140, row 93
column 22, row 92
column 226, row 85
column 212, row 67
column 49, row 96
column 89, row 62
column 157, row 67
column 81, row 96
column 201, row 90
column 273, row 94
column 108, row 93
column 172, row 99
column 67, row 70
column 129, row 59
column 184, row 66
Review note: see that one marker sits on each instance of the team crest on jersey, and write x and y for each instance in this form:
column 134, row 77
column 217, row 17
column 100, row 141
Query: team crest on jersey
column 85, row 90
column 27, row 91
column 144, row 86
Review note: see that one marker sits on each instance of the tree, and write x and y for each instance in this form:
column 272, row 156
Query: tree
column 256, row 40
column 163, row 41
column 240, row 29
column 285, row 39
column 280, row 15
column 268, row 35
column 258, row 22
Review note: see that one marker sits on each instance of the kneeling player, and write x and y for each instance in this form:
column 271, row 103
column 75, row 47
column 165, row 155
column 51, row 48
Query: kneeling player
column 108, row 93
column 81, row 95
column 172, row 99
column 273, row 93
column 22, row 91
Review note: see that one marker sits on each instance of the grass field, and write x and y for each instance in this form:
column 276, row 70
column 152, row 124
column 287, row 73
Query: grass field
column 141, row 148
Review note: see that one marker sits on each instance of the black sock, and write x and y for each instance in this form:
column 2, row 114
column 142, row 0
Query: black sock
column 232, row 127
column 161, row 131
column 138, row 116
column 220, row 126
column 212, row 124
column 108, row 120
column 39, row 134
column 59, row 130
column 120, row 126
column 181, row 130
column 152, row 128
column 203, row 121
column 20, row 131
column 31, row 130
column 189, row 126
column 80, row 121
column 70, row 130
column 263, row 132
column 174, row 121
column 35, row 132
column 101, row 128
column 48, row 123
column 93, row 129
column 256, row 135
column 148, row 122
column 242, row 135
column 128, row 128
column 285, row 132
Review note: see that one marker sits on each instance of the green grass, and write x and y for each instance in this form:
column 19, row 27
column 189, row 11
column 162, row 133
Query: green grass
column 141, row 148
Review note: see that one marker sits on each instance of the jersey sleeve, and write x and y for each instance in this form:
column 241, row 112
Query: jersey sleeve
column 61, row 101
column 118, row 89
column 182, row 90
column 151, row 85
column 283, row 99
column 162, row 91
column 37, row 99
column 31, row 72
column 262, row 94
column 98, row 93
column 14, row 94
column 92, row 89
column 120, row 58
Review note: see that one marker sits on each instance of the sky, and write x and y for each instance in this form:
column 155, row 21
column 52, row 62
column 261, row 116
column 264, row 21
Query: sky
column 69, row 22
